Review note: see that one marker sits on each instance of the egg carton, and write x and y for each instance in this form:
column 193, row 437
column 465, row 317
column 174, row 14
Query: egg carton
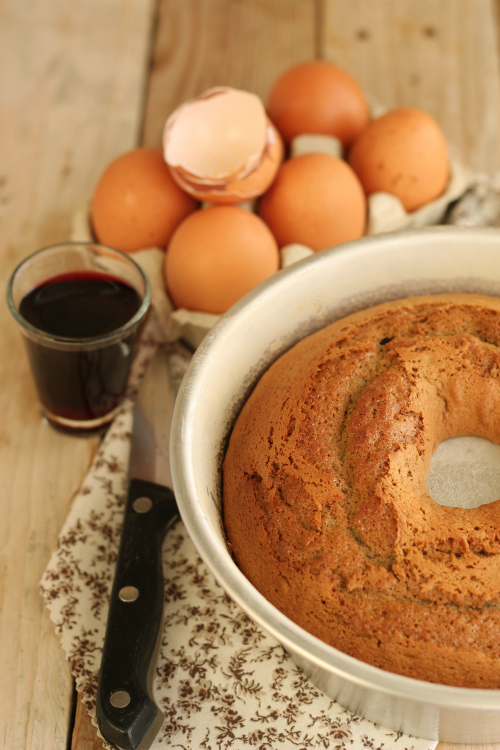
column 189, row 325
column 385, row 214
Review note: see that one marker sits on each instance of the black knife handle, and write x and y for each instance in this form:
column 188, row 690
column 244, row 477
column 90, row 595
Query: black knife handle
column 126, row 711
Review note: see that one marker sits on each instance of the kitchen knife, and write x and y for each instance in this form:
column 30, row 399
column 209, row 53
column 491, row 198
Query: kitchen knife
column 127, row 714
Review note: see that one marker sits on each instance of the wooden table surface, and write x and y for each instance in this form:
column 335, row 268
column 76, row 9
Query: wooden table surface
column 83, row 82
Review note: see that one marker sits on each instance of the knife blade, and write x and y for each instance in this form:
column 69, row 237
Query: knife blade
column 127, row 714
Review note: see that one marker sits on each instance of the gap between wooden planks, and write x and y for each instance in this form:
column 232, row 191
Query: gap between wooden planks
column 440, row 55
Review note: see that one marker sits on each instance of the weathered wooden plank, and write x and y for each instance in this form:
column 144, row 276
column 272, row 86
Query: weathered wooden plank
column 439, row 55
column 71, row 97
column 204, row 43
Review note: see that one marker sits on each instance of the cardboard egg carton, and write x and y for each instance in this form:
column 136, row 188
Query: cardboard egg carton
column 385, row 213
column 189, row 325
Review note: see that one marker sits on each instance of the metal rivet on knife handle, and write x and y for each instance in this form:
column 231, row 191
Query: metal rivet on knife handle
column 128, row 594
column 120, row 699
column 142, row 505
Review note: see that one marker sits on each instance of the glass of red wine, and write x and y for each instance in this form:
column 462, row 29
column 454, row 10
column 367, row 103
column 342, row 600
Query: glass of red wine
column 79, row 307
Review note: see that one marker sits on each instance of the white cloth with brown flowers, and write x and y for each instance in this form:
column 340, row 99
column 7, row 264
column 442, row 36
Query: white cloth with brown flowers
column 221, row 681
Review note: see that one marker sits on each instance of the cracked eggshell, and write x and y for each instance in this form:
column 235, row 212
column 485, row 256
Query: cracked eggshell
column 221, row 147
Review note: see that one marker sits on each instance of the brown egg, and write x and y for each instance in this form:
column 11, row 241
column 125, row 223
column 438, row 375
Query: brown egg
column 316, row 200
column 136, row 203
column 404, row 153
column 216, row 256
column 318, row 97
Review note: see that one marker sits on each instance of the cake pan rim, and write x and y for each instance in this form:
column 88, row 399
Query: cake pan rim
column 469, row 700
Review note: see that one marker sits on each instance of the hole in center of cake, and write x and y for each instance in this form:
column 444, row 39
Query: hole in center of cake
column 465, row 472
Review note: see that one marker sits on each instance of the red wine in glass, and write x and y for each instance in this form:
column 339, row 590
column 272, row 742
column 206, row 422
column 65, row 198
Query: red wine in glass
column 87, row 382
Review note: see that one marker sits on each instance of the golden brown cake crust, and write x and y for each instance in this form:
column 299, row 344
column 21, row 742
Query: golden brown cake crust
column 325, row 499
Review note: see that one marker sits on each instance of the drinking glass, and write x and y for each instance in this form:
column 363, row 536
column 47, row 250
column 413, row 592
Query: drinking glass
column 79, row 307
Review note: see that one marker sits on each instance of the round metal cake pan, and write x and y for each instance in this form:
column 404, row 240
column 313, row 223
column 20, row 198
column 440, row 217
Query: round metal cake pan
column 246, row 340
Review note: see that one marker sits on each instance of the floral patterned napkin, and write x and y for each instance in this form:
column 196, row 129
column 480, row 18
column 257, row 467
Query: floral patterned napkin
column 221, row 682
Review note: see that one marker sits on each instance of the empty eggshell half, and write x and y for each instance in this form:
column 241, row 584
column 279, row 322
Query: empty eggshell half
column 221, row 147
